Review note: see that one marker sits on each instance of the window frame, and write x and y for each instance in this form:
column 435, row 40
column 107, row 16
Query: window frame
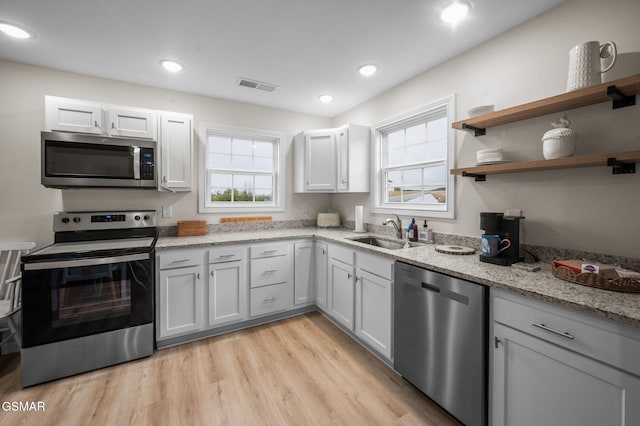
column 278, row 138
column 378, row 204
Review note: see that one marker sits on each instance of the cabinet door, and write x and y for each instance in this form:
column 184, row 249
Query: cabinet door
column 175, row 143
column 129, row 123
column 303, row 285
column 539, row 383
column 228, row 290
column 71, row 116
column 373, row 311
column 181, row 301
column 320, row 161
column 341, row 293
column 343, row 158
column 320, row 274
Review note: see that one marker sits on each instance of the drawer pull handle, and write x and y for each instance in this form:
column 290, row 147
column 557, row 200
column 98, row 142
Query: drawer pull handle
column 180, row 261
column 269, row 251
column 270, row 271
column 551, row 330
column 226, row 256
column 270, row 299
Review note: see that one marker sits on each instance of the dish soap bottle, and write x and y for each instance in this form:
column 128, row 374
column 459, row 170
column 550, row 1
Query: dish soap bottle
column 426, row 234
column 412, row 231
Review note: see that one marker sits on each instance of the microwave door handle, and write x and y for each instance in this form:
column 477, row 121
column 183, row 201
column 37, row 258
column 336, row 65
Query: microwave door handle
column 136, row 162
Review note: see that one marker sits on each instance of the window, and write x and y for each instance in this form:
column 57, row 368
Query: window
column 240, row 170
column 414, row 152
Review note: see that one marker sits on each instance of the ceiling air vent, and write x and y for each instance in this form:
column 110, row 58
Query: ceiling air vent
column 254, row 84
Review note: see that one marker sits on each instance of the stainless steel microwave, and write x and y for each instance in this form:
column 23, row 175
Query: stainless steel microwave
column 71, row 160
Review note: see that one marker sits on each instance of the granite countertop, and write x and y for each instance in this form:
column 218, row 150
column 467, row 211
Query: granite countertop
column 541, row 285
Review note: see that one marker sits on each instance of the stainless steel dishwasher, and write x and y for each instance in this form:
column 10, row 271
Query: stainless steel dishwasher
column 440, row 339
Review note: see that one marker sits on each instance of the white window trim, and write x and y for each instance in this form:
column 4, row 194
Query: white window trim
column 279, row 187
column 377, row 204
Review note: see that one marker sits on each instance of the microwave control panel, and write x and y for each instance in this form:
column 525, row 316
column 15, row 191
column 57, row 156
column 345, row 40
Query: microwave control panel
column 147, row 164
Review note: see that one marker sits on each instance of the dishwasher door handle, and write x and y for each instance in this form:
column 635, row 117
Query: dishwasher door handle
column 431, row 287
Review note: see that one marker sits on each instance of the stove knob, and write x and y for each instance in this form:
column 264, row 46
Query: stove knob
column 76, row 220
column 65, row 220
column 137, row 217
column 146, row 217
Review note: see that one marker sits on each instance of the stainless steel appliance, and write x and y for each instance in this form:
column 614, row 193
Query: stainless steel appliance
column 87, row 300
column 78, row 160
column 440, row 340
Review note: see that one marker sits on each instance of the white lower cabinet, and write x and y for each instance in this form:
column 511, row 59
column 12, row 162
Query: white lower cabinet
column 321, row 266
column 181, row 295
column 228, row 287
column 341, row 293
column 271, row 278
column 373, row 308
column 556, row 367
column 303, row 273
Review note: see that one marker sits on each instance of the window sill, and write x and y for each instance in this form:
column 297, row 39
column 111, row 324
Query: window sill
column 241, row 209
column 407, row 211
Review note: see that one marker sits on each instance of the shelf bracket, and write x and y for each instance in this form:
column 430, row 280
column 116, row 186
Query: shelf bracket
column 477, row 176
column 619, row 167
column 478, row 131
column 620, row 100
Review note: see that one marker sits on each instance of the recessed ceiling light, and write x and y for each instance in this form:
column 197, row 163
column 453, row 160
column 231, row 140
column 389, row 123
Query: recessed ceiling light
column 171, row 66
column 455, row 12
column 368, row 70
column 325, row 99
column 13, row 31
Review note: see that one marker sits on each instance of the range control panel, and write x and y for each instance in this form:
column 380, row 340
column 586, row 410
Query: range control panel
column 86, row 221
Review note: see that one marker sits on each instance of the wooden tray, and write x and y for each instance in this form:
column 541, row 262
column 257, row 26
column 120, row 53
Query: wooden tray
column 623, row 284
column 192, row 228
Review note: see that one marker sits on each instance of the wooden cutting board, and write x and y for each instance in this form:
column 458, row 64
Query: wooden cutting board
column 245, row 219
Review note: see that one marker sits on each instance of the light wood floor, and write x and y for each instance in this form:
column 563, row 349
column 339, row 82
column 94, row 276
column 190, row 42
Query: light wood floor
column 300, row 371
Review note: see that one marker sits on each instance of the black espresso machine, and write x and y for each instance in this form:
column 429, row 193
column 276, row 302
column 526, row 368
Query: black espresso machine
column 507, row 227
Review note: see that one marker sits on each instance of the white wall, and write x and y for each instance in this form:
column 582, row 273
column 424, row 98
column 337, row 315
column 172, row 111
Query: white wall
column 26, row 207
column 584, row 209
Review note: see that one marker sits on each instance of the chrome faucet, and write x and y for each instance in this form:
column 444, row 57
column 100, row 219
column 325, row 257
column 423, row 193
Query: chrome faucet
column 396, row 223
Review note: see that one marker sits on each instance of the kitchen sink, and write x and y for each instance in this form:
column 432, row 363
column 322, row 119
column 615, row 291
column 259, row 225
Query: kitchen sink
column 382, row 242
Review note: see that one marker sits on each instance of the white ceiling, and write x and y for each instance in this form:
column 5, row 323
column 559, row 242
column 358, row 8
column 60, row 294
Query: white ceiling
column 306, row 47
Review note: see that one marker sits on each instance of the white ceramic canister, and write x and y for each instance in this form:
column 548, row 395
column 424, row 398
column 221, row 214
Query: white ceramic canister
column 585, row 68
column 559, row 142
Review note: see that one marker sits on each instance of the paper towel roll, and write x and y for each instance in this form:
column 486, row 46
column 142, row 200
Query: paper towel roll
column 359, row 219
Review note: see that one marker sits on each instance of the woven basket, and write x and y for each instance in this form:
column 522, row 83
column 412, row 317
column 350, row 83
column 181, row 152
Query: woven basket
column 624, row 284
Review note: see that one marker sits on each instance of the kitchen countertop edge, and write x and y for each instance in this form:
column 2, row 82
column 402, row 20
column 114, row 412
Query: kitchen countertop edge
column 541, row 285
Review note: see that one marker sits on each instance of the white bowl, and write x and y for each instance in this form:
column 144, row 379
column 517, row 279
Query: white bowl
column 480, row 110
column 489, row 155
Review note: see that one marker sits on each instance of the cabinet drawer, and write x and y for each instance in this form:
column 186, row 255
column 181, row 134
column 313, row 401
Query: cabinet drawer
column 611, row 343
column 226, row 254
column 377, row 265
column 341, row 253
column 272, row 298
column 269, row 250
column 269, row 270
column 180, row 259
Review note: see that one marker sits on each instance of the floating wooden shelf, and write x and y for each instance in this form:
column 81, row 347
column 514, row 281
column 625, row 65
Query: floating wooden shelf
column 622, row 92
column 621, row 162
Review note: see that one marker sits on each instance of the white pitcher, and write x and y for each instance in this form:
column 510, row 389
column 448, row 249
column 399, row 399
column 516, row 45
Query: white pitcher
column 584, row 63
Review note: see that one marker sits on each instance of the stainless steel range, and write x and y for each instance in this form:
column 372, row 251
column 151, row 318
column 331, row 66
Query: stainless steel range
column 87, row 300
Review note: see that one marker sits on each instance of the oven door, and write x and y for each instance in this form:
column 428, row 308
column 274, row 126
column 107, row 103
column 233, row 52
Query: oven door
column 73, row 298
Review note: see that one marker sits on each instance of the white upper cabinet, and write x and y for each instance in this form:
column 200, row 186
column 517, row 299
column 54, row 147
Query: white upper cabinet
column 69, row 115
column 131, row 123
column 73, row 115
column 175, row 144
column 332, row 160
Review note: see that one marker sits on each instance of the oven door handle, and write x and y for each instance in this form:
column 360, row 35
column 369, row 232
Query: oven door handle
column 84, row 262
